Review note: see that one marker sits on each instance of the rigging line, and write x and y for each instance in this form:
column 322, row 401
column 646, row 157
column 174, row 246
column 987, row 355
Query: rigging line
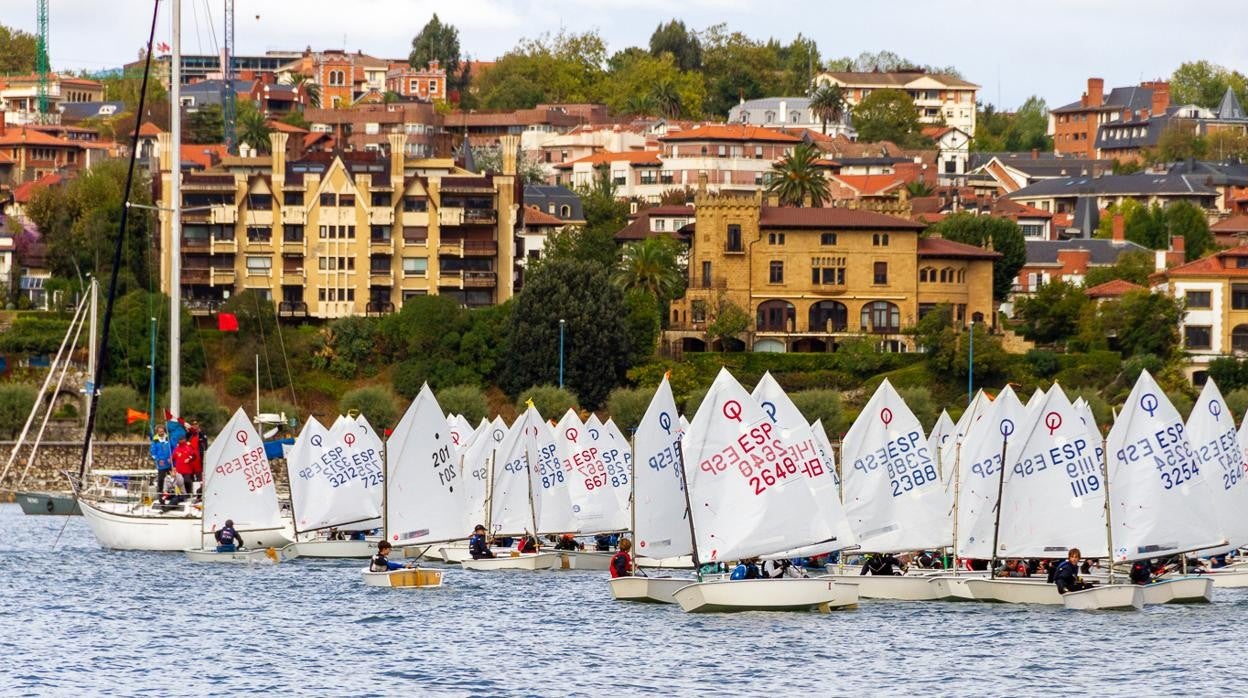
column 212, row 33
column 264, row 342
column 285, row 359
column 101, row 363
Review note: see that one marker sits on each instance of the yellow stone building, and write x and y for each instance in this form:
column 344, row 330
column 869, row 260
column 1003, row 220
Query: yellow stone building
column 810, row 277
column 346, row 233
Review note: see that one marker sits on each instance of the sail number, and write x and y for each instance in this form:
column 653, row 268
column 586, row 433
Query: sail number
column 1224, row 450
column 1170, row 454
column 762, row 460
column 442, row 464
column 906, row 460
column 253, row 466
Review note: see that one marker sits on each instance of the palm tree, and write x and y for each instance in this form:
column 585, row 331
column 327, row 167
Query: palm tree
column 651, row 265
column 311, row 89
column 798, row 180
column 667, row 99
column 639, row 105
column 827, row 103
column 253, row 129
column 918, row 188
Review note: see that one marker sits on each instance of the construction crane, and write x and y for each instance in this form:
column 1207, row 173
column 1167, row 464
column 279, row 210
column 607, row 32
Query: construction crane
column 42, row 67
column 228, row 110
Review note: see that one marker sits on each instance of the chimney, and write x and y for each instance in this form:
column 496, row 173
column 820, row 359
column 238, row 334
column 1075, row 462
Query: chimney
column 1074, row 261
column 1177, row 253
column 1161, row 97
column 398, row 142
column 510, row 146
column 1035, row 153
column 277, row 146
column 1096, row 92
column 784, row 112
column 1119, row 227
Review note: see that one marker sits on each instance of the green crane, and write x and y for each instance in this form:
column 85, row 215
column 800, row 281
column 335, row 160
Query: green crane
column 41, row 55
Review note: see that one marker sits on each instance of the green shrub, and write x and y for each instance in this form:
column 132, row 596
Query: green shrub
column 694, row 401
column 1237, row 403
column 628, row 405
column 110, row 413
column 467, row 400
column 551, row 401
column 818, row 404
column 200, row 402
column 919, row 400
column 376, row 403
column 1182, row 402
column 1044, row 363
column 239, row 385
column 16, row 400
column 1101, row 409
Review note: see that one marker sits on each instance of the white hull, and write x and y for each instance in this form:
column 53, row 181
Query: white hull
column 455, row 554
column 246, row 556
column 337, row 549
column 414, row 578
column 144, row 529
column 1230, row 579
column 1014, row 590
column 584, row 560
column 898, row 587
column 648, row 589
column 515, row 561
column 1109, row 597
column 1179, row 590
column 680, row 562
column 766, row 595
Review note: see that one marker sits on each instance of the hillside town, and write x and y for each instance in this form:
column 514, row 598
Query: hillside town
column 803, row 204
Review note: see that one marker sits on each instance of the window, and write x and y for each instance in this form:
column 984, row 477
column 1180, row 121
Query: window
column 260, row 202
column 881, row 316
column 1032, row 230
column 346, row 200
column 379, row 264
column 1239, row 296
column 1239, row 338
column 1241, row 262
column 734, row 239
column 1198, row 299
column 379, row 233
column 1197, row 337
column 259, row 265
column 827, row 239
column 775, row 272
column 926, row 275
column 415, row 266
column 706, row 275
column 649, row 176
column 327, row 199
column 775, row 238
column 880, row 239
column 758, row 152
column 698, row 309
column 827, row 271
column 433, row 87
column 381, row 198
column 292, row 233
column 881, row 273
column 257, row 234
column 415, row 204
column 660, row 225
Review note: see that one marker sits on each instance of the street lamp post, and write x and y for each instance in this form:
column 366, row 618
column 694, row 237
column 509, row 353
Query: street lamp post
column 562, row 324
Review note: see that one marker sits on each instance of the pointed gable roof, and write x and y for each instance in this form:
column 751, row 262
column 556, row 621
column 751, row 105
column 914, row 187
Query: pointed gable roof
column 1230, row 109
column 1115, row 288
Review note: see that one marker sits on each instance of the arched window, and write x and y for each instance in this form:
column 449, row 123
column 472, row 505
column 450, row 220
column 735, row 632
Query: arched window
column 770, row 116
column 961, row 276
column 565, row 211
column 828, row 316
column 776, row 316
column 1239, row 338
column 881, row 316
column 944, row 275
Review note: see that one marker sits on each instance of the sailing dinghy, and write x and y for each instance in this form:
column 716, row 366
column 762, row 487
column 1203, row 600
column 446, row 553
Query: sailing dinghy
column 328, row 490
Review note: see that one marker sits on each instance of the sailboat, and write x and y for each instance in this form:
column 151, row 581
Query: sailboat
column 1159, row 504
column 592, row 487
column 1052, row 498
column 329, row 490
column 893, row 494
column 746, row 497
column 512, row 505
column 660, row 527
column 475, row 468
column 423, row 502
column 1235, row 575
column 239, row 486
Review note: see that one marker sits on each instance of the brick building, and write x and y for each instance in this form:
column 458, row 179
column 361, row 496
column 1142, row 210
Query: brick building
column 1075, row 126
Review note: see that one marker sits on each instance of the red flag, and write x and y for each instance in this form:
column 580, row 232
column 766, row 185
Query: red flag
column 227, row 322
column 133, row 415
column 162, row 47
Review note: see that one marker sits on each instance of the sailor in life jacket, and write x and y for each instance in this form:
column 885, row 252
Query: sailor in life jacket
column 478, row 546
column 746, row 569
column 380, row 563
column 621, row 561
column 228, row 538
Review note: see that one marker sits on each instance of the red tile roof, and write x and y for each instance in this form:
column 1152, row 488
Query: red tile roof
column 203, row 154
column 871, row 185
column 935, row 132
column 1112, row 289
column 534, row 216
column 22, row 136
column 1012, row 209
column 283, row 127
column 1213, row 265
column 1234, row 224
column 632, row 157
column 23, row 192
column 843, row 218
column 948, row 249
column 731, row 132
column 149, row 130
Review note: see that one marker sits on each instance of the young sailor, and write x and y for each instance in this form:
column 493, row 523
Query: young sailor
column 1067, row 575
column 528, row 544
column 380, row 563
column 746, row 569
column 568, row 542
column 478, row 546
column 881, row 564
column 228, row 539
column 1141, row 572
column 621, row 562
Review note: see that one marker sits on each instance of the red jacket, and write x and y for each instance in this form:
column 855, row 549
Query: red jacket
column 184, row 458
column 621, row 565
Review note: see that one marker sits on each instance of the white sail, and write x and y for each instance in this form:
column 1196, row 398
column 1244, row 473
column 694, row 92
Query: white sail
column 510, row 510
column 1211, row 431
column 823, row 480
column 424, row 496
column 552, row 501
column 1053, row 498
column 1159, row 494
column 461, row 433
column 324, row 489
column 618, row 455
column 949, row 453
column 979, row 473
column 589, row 483
column 1035, row 399
column 827, row 454
column 748, row 496
column 662, row 528
column 474, row 468
column 238, row 483
column 942, row 431
column 361, row 448
column 894, row 497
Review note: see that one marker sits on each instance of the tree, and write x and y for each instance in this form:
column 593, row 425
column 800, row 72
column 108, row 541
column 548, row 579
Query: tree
column 1204, row 83
column 1190, row 222
column 16, row 401
column 889, row 115
column 490, row 159
column 727, row 324
column 310, row 88
column 18, row 51
column 1052, row 313
column 798, row 180
column 918, row 188
column 605, row 215
column 560, row 68
column 643, row 323
column 129, row 347
column 828, row 104
column 596, row 345
column 1134, row 266
column 205, row 125
column 639, row 83
column 124, row 87
column 1002, row 234
column 252, row 128
column 678, row 42
column 466, row 400
column 736, row 67
column 200, row 403
column 920, row 401
column 653, row 266
column 628, row 405
column 1144, row 323
column 550, row 401
column 436, row 42
column 1179, row 141
column 375, row 402
column 1147, row 226
column 110, row 416
column 1028, row 129
column 821, row 403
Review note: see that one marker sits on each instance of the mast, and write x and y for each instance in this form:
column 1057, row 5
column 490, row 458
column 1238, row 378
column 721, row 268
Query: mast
column 996, row 524
column 957, row 483
column 632, row 501
column 175, row 216
column 693, row 538
column 1109, row 527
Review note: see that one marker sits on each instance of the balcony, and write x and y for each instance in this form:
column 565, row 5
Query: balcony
column 468, row 248
column 222, row 214
column 376, row 244
column 200, row 275
column 197, row 244
column 222, row 277
column 731, row 248
column 294, row 277
column 379, row 308
column 223, row 246
column 455, row 216
column 702, row 282
column 294, row 215
column 292, row 309
column 259, row 216
column 468, row 279
column 381, row 216
column 202, row 308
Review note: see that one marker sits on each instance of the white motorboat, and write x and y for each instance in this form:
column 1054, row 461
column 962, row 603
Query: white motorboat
column 766, row 595
column 1195, row 589
column 903, row 587
column 245, row 556
column 125, row 526
column 648, row 589
column 514, row 561
column 407, row 578
column 1110, row 597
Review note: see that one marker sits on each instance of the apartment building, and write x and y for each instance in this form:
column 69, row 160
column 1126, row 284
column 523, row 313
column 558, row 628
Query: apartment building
column 939, row 99
column 1075, row 126
column 336, row 234
column 812, row 277
column 426, row 84
column 19, row 96
column 1214, row 291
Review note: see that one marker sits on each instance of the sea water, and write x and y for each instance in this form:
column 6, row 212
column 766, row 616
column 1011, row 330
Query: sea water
column 78, row 620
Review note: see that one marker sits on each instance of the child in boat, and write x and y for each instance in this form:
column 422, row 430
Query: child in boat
column 528, row 544
column 746, row 569
column 478, row 547
column 1067, row 575
column 568, row 542
column 881, row 564
column 381, row 563
column 228, row 538
column 621, row 562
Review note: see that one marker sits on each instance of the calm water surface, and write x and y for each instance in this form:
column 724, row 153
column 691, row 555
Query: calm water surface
column 77, row 620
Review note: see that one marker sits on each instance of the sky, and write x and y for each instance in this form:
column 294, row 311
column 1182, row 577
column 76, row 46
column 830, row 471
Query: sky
column 1012, row 48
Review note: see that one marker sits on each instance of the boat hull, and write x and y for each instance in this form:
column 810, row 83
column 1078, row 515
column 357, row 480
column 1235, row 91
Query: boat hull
column 48, row 503
column 515, row 561
column 337, row 549
column 584, row 560
column 1179, row 590
column 766, row 595
column 679, row 562
column 413, row 578
column 648, row 589
column 455, row 554
column 1230, row 579
column 897, row 587
column 1014, row 591
column 1107, row 597
column 128, row 530
column 246, row 556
